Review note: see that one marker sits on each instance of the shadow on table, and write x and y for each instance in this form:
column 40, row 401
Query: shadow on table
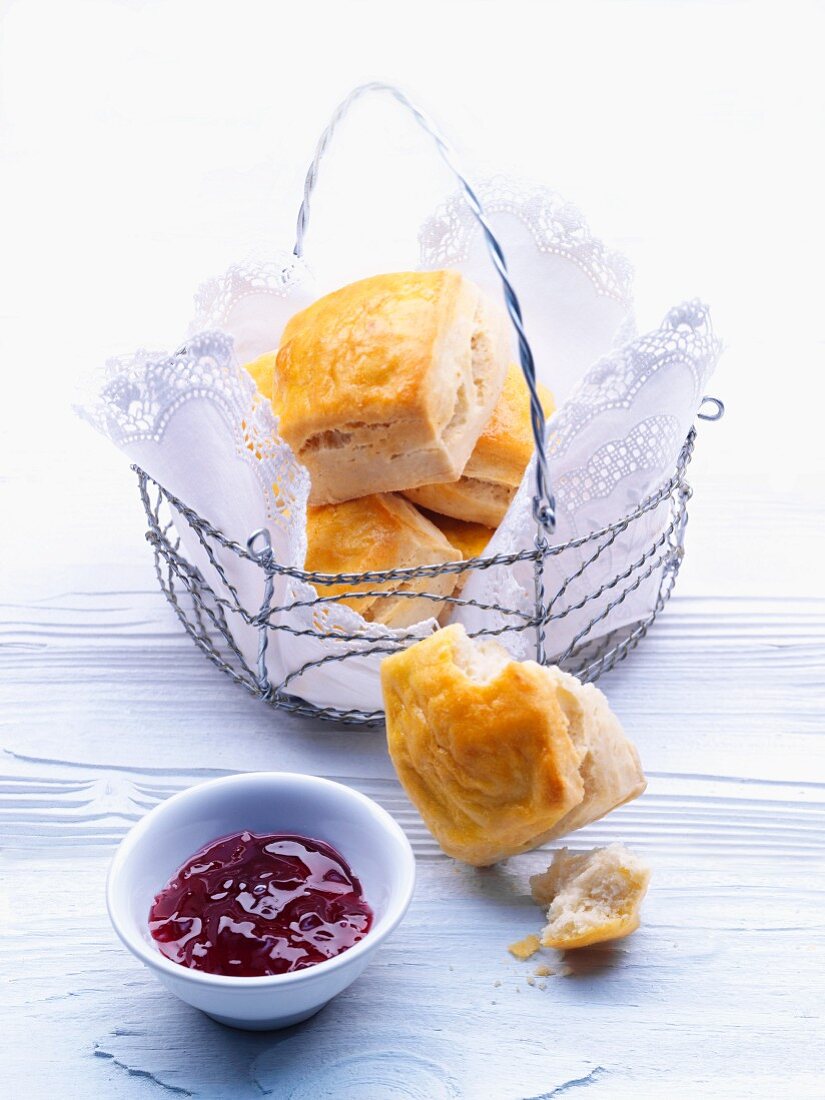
column 586, row 962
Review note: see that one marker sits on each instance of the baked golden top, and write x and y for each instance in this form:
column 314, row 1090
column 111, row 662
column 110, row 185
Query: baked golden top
column 488, row 761
column 506, row 445
column 367, row 353
column 469, row 538
column 381, row 531
column 262, row 370
column 501, row 755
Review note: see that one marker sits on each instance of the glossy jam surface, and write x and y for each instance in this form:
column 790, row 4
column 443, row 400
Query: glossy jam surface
column 250, row 905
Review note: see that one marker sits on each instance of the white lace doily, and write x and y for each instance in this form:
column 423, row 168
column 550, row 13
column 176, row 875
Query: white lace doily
column 575, row 293
column 612, row 444
column 196, row 424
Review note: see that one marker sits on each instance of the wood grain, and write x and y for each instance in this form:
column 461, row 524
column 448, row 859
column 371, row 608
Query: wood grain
column 107, row 709
column 732, row 926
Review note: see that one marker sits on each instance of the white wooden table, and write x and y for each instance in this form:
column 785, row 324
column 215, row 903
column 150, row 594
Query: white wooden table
column 131, row 173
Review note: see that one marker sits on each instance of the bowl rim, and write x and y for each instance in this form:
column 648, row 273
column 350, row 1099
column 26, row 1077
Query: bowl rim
column 397, row 907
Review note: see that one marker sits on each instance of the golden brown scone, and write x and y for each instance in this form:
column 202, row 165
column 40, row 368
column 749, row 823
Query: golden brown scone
column 495, row 468
column 500, row 755
column 480, row 745
column 592, row 897
column 382, row 531
column 387, row 383
column 470, row 539
column 262, row 370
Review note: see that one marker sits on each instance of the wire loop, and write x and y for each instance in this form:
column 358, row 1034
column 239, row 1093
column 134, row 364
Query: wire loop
column 718, row 409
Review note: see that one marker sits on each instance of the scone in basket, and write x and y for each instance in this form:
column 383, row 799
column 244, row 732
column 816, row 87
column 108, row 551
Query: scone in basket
column 590, row 547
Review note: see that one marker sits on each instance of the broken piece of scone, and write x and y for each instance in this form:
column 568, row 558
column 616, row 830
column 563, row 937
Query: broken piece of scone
column 590, row 896
column 499, row 755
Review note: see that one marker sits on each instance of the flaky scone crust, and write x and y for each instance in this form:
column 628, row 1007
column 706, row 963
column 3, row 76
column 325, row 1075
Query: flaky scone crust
column 375, row 342
column 470, row 539
column 378, row 532
column 506, row 445
column 489, row 765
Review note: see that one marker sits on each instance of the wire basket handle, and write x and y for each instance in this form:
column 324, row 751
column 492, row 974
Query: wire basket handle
column 544, row 505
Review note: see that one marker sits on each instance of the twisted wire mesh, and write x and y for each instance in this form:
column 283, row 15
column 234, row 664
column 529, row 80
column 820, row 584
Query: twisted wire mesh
column 207, row 614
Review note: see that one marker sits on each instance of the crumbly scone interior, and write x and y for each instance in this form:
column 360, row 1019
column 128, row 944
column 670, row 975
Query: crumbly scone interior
column 480, row 659
column 388, row 532
column 470, row 380
column 589, row 891
column 493, row 492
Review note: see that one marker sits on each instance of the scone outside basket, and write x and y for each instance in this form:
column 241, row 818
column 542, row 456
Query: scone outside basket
column 207, row 615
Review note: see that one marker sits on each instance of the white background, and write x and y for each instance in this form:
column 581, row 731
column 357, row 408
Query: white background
column 145, row 146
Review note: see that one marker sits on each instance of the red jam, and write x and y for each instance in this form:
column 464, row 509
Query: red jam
column 250, row 905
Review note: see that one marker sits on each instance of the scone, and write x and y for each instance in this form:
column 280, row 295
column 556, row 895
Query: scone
column 500, row 755
column 470, row 539
column 382, row 531
column 495, row 468
column 262, row 370
column 592, row 897
column 387, row 383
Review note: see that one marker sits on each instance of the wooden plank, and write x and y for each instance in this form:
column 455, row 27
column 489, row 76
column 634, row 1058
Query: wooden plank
column 93, row 660
column 716, row 965
column 736, row 909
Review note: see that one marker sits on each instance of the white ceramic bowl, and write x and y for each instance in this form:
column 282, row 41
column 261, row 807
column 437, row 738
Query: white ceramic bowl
column 263, row 802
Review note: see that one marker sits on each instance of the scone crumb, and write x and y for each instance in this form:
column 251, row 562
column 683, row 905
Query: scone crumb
column 523, row 949
column 544, row 971
column 592, row 896
column 496, row 984
column 531, row 980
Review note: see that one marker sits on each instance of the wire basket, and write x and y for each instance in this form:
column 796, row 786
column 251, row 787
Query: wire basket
column 208, row 615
